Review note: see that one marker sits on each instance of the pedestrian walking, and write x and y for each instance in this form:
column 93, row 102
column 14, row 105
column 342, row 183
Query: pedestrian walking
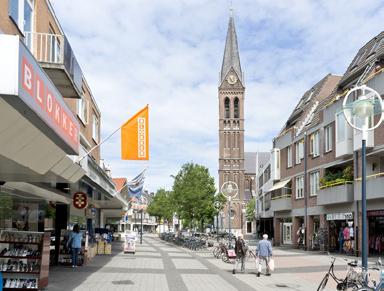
column 264, row 253
column 240, row 250
column 74, row 243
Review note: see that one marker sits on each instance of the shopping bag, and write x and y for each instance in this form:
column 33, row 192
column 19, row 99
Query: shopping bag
column 271, row 264
column 231, row 253
column 258, row 265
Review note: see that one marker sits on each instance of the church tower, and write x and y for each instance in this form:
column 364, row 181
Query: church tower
column 231, row 127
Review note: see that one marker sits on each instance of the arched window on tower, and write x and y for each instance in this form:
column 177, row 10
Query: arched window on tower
column 226, row 107
column 236, row 108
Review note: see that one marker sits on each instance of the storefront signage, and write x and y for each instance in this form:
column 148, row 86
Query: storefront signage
column 28, row 81
column 80, row 200
column 340, row 216
column 375, row 213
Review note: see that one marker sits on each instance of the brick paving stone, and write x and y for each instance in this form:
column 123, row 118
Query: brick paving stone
column 207, row 283
column 158, row 265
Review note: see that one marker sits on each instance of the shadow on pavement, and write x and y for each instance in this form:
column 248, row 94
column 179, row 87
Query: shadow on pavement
column 66, row 278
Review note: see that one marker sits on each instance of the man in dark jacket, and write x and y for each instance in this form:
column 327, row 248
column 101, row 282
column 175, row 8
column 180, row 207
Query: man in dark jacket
column 240, row 250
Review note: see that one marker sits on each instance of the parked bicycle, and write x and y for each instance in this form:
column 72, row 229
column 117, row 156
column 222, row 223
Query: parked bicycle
column 353, row 279
column 375, row 286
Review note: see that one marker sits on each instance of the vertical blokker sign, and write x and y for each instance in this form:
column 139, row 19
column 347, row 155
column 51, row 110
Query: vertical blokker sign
column 134, row 137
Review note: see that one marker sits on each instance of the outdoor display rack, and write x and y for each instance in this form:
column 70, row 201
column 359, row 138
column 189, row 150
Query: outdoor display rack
column 24, row 259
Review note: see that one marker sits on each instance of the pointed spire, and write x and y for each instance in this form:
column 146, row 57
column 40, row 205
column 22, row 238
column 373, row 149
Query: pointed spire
column 231, row 57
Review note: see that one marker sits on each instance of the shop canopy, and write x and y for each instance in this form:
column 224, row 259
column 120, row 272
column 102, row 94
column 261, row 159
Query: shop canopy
column 279, row 185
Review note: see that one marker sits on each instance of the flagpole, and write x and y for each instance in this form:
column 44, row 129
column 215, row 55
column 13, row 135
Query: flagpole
column 96, row 146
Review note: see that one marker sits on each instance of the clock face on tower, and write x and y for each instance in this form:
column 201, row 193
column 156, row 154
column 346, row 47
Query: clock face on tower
column 232, row 79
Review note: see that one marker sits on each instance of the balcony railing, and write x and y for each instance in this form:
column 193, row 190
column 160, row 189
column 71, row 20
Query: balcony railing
column 375, row 185
column 334, row 193
column 53, row 51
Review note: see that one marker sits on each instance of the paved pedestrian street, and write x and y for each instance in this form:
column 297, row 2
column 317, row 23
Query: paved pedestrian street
column 158, row 265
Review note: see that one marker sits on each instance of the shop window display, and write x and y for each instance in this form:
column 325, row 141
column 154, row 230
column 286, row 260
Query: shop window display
column 376, row 237
column 21, row 215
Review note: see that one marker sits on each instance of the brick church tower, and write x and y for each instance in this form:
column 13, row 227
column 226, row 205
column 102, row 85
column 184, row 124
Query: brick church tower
column 231, row 127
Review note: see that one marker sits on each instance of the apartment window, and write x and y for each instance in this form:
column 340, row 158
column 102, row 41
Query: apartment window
column 340, row 127
column 21, row 12
column 289, row 156
column 300, row 187
column 95, row 128
column 299, row 147
column 315, row 144
column 82, row 109
column 314, row 181
column 328, row 138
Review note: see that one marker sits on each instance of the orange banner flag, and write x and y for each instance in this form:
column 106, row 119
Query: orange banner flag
column 135, row 138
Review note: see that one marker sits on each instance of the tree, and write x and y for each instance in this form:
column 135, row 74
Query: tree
column 250, row 210
column 161, row 206
column 193, row 194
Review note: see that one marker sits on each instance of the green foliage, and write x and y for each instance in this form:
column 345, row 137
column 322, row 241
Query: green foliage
column 332, row 178
column 50, row 212
column 250, row 210
column 193, row 194
column 161, row 205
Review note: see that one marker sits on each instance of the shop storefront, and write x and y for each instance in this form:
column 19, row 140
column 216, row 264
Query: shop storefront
column 341, row 232
column 39, row 134
column 376, row 232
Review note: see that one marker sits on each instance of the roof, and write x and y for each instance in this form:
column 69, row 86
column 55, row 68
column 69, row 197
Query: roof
column 372, row 51
column 119, row 183
column 307, row 107
column 231, row 58
column 252, row 160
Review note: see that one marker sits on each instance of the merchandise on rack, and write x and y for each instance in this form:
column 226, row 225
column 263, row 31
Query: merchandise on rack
column 24, row 259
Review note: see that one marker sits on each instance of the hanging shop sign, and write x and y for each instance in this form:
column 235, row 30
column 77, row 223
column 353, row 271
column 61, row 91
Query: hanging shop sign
column 27, row 87
column 80, row 200
column 340, row 216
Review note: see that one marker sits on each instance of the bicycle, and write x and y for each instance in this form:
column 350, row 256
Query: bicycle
column 352, row 280
column 376, row 287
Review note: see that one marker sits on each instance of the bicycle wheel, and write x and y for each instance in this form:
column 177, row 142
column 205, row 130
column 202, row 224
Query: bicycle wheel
column 323, row 283
column 365, row 289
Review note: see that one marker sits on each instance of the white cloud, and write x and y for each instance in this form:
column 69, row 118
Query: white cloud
column 168, row 54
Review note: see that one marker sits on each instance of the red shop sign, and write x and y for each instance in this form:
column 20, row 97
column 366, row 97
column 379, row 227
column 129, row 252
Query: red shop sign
column 375, row 213
column 80, row 200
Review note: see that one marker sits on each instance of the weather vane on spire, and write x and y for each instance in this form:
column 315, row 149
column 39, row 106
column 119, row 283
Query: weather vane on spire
column 231, row 9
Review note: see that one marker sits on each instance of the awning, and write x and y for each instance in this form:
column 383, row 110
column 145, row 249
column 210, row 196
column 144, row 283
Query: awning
column 279, row 185
column 31, row 191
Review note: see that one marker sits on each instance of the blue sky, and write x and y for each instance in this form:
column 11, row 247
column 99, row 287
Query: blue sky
column 168, row 54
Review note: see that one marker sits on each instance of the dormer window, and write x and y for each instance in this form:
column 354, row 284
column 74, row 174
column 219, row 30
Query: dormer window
column 310, row 96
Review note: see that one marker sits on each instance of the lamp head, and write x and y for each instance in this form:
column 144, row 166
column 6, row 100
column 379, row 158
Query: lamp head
column 363, row 107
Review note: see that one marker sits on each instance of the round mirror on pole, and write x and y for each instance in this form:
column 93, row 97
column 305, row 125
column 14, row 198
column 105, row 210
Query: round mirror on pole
column 230, row 189
column 363, row 108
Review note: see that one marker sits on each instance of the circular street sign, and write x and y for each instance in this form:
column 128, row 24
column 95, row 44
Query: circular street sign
column 217, row 205
column 80, row 200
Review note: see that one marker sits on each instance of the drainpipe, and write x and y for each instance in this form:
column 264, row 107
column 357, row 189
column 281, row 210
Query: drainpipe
column 305, row 191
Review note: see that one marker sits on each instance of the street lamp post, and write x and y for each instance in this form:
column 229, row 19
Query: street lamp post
column 359, row 114
column 229, row 189
column 141, row 222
